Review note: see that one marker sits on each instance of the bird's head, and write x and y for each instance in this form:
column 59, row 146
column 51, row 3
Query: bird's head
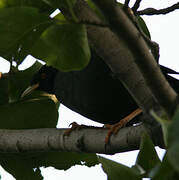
column 43, row 80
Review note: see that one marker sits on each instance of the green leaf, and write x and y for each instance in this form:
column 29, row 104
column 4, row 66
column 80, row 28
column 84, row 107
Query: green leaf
column 165, row 171
column 147, row 157
column 70, row 5
column 143, row 26
column 20, row 165
column 173, row 134
column 116, row 171
column 64, row 46
column 165, row 123
column 174, row 128
column 53, row 3
column 21, row 27
column 60, row 19
column 65, row 160
column 20, row 80
column 22, row 170
column 29, row 113
column 40, row 4
column 96, row 10
column 14, row 83
column 61, row 4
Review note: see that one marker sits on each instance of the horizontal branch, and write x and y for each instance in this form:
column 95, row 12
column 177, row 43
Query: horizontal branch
column 152, row 11
column 89, row 140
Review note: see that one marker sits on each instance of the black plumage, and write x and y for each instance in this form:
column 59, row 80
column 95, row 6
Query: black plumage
column 92, row 92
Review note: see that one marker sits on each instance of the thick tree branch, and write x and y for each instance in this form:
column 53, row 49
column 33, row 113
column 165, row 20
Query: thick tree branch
column 90, row 140
column 152, row 11
column 117, row 55
column 126, row 30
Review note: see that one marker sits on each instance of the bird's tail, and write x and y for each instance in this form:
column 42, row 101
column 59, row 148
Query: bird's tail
column 167, row 70
column 174, row 83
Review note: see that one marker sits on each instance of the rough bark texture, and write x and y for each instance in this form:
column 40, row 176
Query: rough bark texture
column 90, row 140
column 127, row 31
column 118, row 56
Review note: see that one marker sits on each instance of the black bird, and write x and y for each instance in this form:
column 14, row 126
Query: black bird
column 92, row 92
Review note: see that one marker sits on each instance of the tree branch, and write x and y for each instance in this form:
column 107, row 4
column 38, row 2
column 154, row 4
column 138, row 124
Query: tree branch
column 117, row 55
column 126, row 4
column 89, row 140
column 152, row 11
column 136, row 6
column 121, row 25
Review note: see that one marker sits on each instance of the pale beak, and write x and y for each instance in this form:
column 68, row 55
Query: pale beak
column 29, row 90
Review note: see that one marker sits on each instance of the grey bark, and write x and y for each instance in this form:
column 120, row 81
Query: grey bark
column 89, row 140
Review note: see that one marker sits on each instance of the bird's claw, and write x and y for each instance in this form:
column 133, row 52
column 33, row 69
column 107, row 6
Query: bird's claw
column 113, row 129
column 74, row 126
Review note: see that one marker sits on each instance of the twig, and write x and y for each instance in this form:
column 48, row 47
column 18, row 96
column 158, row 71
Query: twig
column 136, row 6
column 152, row 11
column 126, row 4
column 153, row 45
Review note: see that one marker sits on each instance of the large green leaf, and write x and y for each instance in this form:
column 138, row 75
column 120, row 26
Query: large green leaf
column 116, row 171
column 54, row 3
column 21, row 170
column 64, row 160
column 21, row 165
column 147, row 157
column 173, row 142
column 40, row 4
column 164, row 171
column 21, row 27
column 37, row 112
column 64, row 46
column 61, row 4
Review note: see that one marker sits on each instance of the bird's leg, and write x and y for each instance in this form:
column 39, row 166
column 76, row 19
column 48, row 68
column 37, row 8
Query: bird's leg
column 113, row 129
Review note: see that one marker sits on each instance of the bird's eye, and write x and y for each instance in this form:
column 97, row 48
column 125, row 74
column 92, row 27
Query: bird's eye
column 43, row 76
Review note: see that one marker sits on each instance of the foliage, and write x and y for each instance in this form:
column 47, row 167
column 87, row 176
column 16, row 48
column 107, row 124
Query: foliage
column 59, row 51
column 22, row 166
column 27, row 28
